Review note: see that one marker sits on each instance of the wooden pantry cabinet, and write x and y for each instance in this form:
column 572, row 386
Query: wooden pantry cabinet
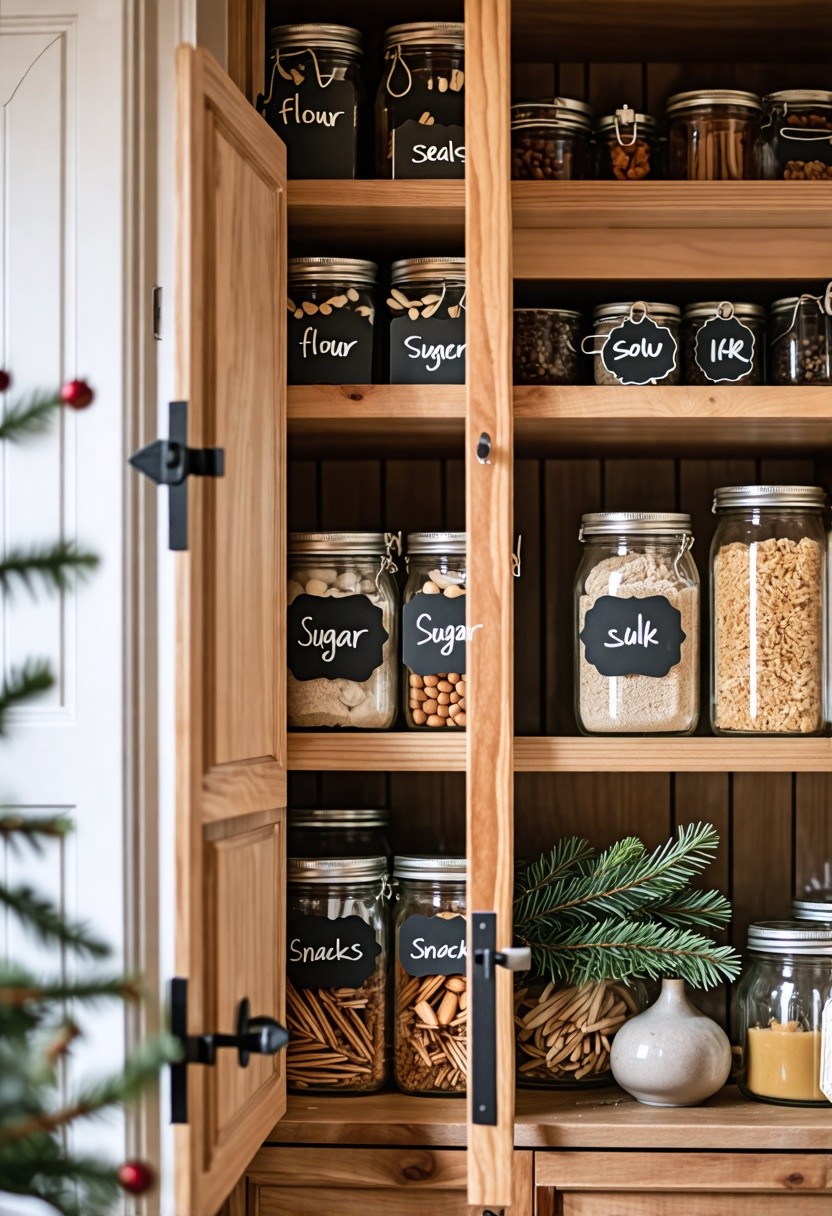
column 405, row 457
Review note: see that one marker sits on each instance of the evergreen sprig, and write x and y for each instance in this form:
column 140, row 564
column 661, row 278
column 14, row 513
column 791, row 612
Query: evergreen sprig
column 48, row 923
column 21, row 684
column 30, row 416
column 54, row 565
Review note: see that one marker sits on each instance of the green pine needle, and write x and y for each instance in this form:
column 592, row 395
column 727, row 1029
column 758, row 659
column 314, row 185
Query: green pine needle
column 33, row 830
column 48, row 923
column 52, row 565
column 31, row 416
column 20, row 685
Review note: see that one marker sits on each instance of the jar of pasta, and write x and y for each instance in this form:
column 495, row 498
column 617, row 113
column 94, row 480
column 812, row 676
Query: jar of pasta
column 625, row 146
column 434, row 631
column 550, row 140
column 635, row 342
column 797, row 134
column 714, row 135
column 336, row 832
column 800, row 339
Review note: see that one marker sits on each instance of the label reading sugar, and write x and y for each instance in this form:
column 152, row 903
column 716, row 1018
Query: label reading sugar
column 640, row 352
column 633, row 636
column 427, row 351
column 316, row 124
column 435, row 635
column 334, row 349
column 724, row 350
column 433, row 945
column 428, row 131
column 324, row 952
column 333, row 638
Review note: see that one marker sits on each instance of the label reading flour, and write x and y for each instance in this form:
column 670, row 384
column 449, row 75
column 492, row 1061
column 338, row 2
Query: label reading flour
column 435, row 635
column 433, row 945
column 323, row 952
column 633, row 636
column 337, row 349
column 317, row 125
column 640, row 352
column 724, row 350
column 427, row 351
column 333, row 638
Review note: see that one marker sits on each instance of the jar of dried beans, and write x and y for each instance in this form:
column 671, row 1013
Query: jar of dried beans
column 714, row 135
column 724, row 343
column 342, row 630
column 325, row 832
column 550, row 140
column 420, row 110
column 800, row 339
column 637, row 625
column 336, row 973
column 332, row 308
column 434, row 631
column 547, row 343
column 625, row 144
column 768, row 588
column 427, row 326
column 431, row 1031
column 635, row 342
column 797, row 133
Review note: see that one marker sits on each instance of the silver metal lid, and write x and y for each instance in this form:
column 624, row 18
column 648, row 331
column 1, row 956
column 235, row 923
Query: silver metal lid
column 427, row 270
column 807, row 497
column 643, row 523
column 454, row 869
column 426, row 33
column 339, row 542
column 339, row 819
column 708, row 308
column 819, row 908
column 436, row 542
column 319, row 37
column 713, row 97
column 799, row 97
column 557, row 312
column 621, row 309
column 643, row 122
column 333, row 270
column 552, row 112
column 790, row 937
column 790, row 303
column 335, row 869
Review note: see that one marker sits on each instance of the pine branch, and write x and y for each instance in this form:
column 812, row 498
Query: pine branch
column 53, row 565
column 566, row 857
column 16, row 994
column 47, row 922
column 31, row 416
column 15, row 828
column 74, row 1186
column 33, row 678
column 708, row 909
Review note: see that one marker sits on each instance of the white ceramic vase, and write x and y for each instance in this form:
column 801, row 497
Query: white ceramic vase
column 672, row 1054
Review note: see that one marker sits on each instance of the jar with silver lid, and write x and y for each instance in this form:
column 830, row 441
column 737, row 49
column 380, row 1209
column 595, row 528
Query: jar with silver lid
column 434, row 631
column 724, row 343
column 420, row 107
column 338, row 832
column 768, row 610
column 637, row 625
column 332, row 309
column 797, row 135
column 625, row 145
column 342, row 630
column 780, row 999
column 315, row 97
column 550, row 140
column 628, row 351
column 336, row 973
column 427, row 327
column 800, row 339
column 714, row 135
column 814, row 905
column 431, row 1031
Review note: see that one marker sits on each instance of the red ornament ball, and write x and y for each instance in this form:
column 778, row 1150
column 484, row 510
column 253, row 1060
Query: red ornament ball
column 5, row 380
column 135, row 1177
column 77, row 394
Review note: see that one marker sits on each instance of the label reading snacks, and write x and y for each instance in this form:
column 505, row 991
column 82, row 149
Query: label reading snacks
column 434, row 634
column 433, row 945
column 333, row 638
column 633, row 636
column 317, row 125
column 337, row 349
column 428, row 138
column 724, row 350
column 427, row 352
column 640, row 352
column 330, row 953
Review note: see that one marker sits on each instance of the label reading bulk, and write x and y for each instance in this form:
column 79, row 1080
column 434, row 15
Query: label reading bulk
column 434, row 634
column 324, row 952
column 433, row 945
column 334, row 639
column 337, row 349
column 317, row 125
column 633, row 636
column 427, row 351
column 640, row 352
column 724, row 350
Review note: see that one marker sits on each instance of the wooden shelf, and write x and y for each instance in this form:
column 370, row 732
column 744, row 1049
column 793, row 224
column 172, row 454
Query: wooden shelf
column 327, row 419
column 402, row 217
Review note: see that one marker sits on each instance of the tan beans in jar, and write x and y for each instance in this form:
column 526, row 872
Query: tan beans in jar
column 439, row 700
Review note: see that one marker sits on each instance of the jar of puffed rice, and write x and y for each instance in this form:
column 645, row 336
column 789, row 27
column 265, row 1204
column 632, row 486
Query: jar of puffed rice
column 768, row 590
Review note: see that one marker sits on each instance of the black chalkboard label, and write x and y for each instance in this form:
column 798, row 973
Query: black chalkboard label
column 640, row 352
column 434, row 634
column 633, row 636
column 334, row 638
column 427, row 352
column 724, row 350
column 337, row 349
column 433, row 945
column 324, row 952
column 421, row 151
column 317, row 125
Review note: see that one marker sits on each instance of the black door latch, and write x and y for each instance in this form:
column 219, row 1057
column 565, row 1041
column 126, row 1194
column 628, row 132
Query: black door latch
column 483, row 1059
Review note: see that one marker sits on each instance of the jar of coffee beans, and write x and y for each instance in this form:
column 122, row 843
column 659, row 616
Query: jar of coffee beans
column 714, row 135
column 625, row 144
column 797, row 133
column 800, row 340
column 550, row 140
column 331, row 304
column 546, row 346
column 734, row 355
column 434, row 632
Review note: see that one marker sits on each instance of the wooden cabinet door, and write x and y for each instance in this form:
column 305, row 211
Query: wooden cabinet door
column 231, row 735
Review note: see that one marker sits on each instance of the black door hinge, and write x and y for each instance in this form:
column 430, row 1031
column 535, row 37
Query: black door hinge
column 483, row 1059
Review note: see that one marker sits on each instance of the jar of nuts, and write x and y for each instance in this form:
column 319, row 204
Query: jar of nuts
column 547, row 343
column 434, row 630
column 325, row 832
column 431, row 1031
column 797, row 134
column 800, row 339
column 714, row 135
column 550, row 140
column 331, row 304
column 625, row 146
column 336, row 973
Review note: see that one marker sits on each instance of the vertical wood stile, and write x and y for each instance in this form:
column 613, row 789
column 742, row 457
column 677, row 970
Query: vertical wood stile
column 489, row 499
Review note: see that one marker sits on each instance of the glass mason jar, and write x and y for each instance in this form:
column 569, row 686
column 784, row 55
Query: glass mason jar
column 547, row 344
column 343, row 630
column 625, row 146
column 421, row 290
column 325, row 832
column 550, row 140
column 714, row 135
column 607, row 317
column 564, row 1033
column 816, row 905
column 315, row 97
column 423, row 82
column 637, row 625
column 797, row 135
column 768, row 610
column 431, row 1031
column 433, row 631
column 752, row 316
column 780, row 998
column 336, row 982
column 800, row 340
column 332, row 308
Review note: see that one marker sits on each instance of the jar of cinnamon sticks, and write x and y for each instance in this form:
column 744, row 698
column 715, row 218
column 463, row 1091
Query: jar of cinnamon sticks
column 714, row 135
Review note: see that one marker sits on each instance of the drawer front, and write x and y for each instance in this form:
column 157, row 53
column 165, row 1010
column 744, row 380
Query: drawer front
column 669, row 1203
column 305, row 1201
column 790, row 1173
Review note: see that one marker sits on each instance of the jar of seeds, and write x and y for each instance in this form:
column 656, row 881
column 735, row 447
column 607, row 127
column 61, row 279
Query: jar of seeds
column 714, row 135
column 635, row 342
column 625, row 145
column 550, row 140
column 797, row 134
column 335, row 832
column 434, row 631
column 336, row 973
column 431, row 1030
column 800, row 339
column 420, row 110
column 724, row 343
column 427, row 327
column 331, row 304
column 546, row 346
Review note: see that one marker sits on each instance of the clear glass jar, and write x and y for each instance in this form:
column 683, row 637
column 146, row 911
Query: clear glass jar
column 607, row 317
column 315, row 97
column 780, row 998
column 550, row 140
column 325, row 832
column 579, row 1023
column 797, row 135
column 547, row 344
column 768, row 610
column 342, row 631
column 434, row 600
column 714, row 135
column 752, row 316
column 625, row 146
column 426, row 290
column 637, row 625
column 800, row 340
column 336, row 984
column 431, row 1031
column 423, row 82
column 332, row 308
